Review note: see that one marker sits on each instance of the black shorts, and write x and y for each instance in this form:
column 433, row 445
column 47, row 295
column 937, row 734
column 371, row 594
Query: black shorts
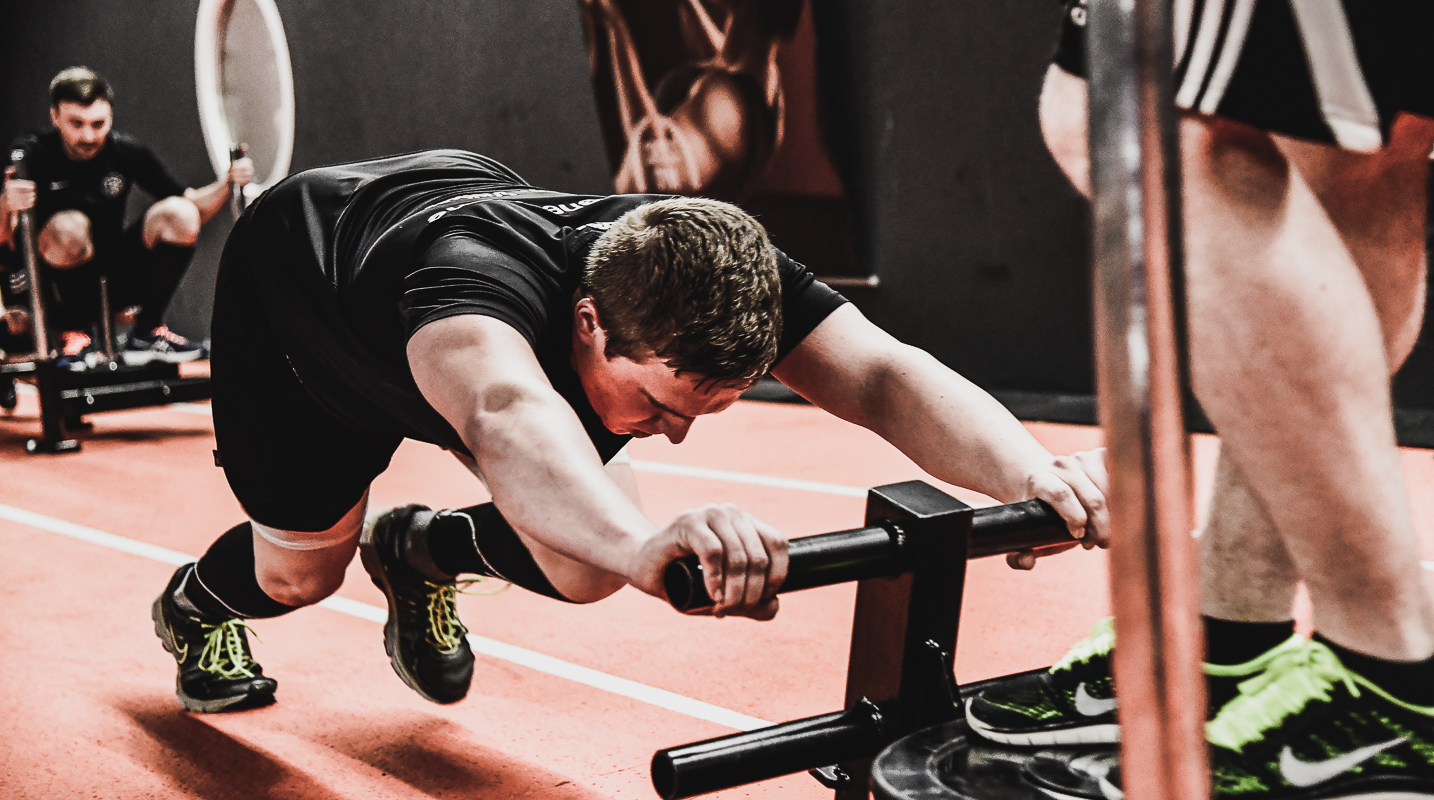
column 291, row 464
column 1331, row 72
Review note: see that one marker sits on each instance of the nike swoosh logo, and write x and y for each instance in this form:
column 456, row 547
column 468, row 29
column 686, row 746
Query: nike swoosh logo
column 1092, row 706
column 1309, row 773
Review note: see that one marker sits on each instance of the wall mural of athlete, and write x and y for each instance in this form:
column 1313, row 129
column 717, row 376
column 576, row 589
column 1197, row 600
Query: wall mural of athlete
column 709, row 124
column 718, row 98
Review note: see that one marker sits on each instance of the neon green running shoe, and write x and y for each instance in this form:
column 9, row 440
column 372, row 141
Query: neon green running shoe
column 1310, row 729
column 1074, row 703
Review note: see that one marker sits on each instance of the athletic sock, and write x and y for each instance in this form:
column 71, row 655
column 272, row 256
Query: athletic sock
column 167, row 264
column 1228, row 642
column 479, row 541
column 1410, row 681
column 223, row 585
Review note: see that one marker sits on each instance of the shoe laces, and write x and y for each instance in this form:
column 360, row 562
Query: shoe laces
column 1293, row 680
column 224, row 653
column 1099, row 642
column 445, row 632
column 75, row 342
column 163, row 332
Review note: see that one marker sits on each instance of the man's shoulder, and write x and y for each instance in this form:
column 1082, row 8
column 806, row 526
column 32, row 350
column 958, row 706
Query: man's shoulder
column 128, row 145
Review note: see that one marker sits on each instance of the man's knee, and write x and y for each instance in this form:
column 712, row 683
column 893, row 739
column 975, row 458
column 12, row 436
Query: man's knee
column 301, row 569
column 64, row 242
column 173, row 220
column 298, row 587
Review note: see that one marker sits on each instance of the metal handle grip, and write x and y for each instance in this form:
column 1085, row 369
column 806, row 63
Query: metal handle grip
column 25, row 233
column 743, row 758
column 237, row 201
column 813, row 561
column 862, row 553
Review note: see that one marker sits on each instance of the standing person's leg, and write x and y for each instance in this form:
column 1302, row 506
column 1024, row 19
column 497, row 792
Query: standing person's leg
column 1290, row 363
column 1256, row 580
column 158, row 251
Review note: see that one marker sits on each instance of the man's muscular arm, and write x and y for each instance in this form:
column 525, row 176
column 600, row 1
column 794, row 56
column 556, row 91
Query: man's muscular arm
column 943, row 422
column 547, row 480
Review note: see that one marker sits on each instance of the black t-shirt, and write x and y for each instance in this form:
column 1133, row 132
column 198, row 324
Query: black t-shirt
column 412, row 239
column 98, row 187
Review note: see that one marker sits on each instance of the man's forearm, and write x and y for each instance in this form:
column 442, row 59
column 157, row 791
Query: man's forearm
column 950, row 427
column 550, row 484
column 209, row 199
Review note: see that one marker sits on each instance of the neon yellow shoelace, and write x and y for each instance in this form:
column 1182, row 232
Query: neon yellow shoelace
column 1099, row 642
column 223, row 653
column 1293, row 680
column 444, row 630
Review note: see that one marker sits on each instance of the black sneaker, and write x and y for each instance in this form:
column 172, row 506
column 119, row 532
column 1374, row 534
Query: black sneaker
column 426, row 643
column 8, row 399
column 1310, row 729
column 161, row 344
column 1073, row 703
column 216, row 670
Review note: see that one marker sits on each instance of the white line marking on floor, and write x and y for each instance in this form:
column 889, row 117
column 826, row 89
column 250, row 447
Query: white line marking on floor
column 198, row 409
column 705, row 473
column 492, row 648
column 1429, row 565
column 748, row 478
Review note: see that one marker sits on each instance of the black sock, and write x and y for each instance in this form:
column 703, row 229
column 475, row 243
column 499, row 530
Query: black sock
column 223, row 585
column 1228, row 643
column 1410, row 681
column 167, row 263
column 478, row 541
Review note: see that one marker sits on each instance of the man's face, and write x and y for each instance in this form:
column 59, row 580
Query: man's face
column 642, row 398
column 83, row 129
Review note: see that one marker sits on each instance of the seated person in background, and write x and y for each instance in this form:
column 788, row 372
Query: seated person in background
column 80, row 173
column 437, row 296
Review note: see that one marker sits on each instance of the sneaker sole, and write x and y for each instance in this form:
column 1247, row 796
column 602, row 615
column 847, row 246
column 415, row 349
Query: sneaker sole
column 1106, row 733
column 236, row 703
column 373, row 565
column 136, row 359
column 178, row 358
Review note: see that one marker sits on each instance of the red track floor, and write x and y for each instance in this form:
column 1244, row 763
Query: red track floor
column 89, row 709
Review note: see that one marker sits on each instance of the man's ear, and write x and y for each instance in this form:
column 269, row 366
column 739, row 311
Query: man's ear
column 55, row 116
column 586, row 322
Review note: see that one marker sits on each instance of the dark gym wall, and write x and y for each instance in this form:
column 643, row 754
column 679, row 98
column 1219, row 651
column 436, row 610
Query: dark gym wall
column 978, row 242
column 977, row 239
column 371, row 77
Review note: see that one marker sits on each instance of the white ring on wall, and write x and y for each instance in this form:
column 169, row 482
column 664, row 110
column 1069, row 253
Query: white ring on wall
column 209, row 38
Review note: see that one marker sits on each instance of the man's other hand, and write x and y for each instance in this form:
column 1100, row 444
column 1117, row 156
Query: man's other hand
column 19, row 194
column 744, row 560
column 241, row 172
column 1075, row 486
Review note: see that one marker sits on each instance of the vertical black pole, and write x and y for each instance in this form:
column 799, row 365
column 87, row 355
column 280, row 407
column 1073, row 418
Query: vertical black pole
column 903, row 636
column 52, row 429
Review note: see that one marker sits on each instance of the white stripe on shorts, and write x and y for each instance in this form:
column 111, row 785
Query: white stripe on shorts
column 1207, row 34
column 1229, row 55
column 1184, row 13
column 1345, row 102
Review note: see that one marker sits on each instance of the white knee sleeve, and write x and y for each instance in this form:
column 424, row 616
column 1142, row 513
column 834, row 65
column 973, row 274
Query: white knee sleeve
column 294, row 540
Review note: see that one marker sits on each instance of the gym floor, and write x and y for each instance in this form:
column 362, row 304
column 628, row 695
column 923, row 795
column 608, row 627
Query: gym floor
column 567, row 701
